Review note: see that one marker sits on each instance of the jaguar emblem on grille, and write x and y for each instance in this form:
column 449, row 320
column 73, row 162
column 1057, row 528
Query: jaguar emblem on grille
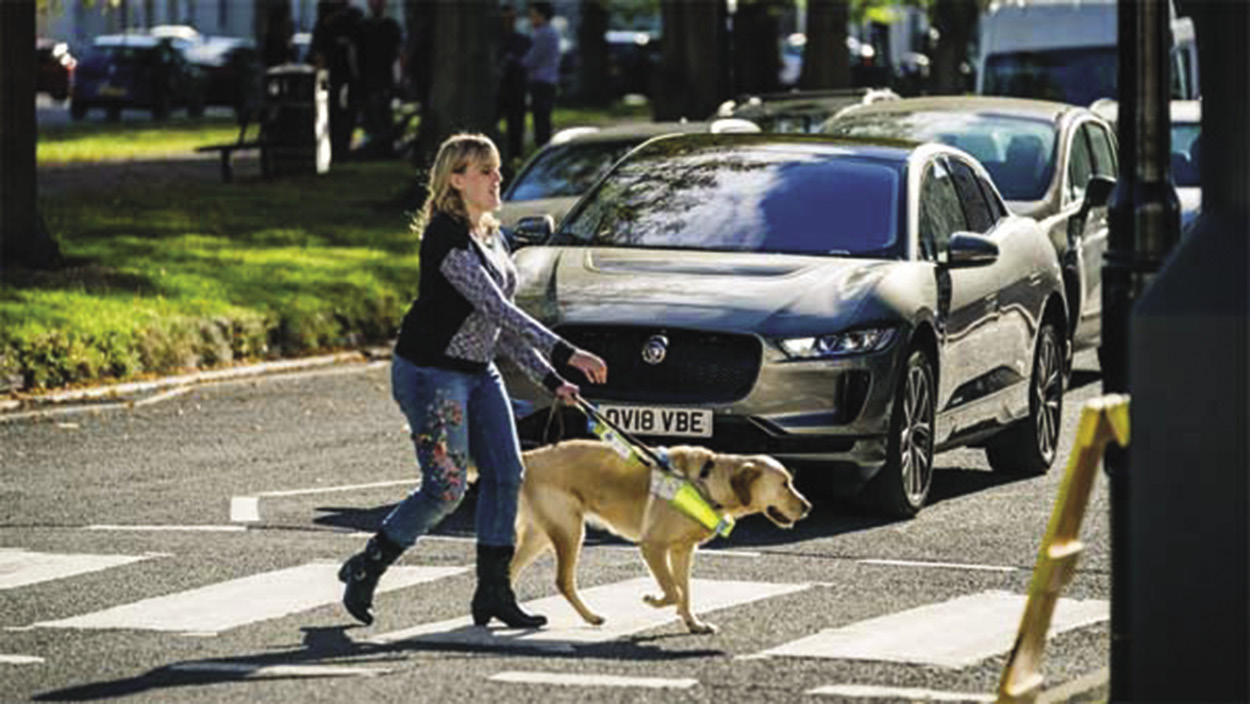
column 655, row 349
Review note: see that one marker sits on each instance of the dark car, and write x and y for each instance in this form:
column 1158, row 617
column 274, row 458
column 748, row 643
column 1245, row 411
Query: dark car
column 232, row 69
column 135, row 71
column 54, row 66
column 847, row 306
column 1044, row 156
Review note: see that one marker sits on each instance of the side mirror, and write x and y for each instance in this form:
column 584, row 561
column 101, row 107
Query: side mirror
column 1098, row 192
column 533, row 230
column 968, row 249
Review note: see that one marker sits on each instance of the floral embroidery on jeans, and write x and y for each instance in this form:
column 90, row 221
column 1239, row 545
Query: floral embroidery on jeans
column 449, row 468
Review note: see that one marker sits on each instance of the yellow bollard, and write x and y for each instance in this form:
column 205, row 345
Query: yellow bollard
column 1102, row 420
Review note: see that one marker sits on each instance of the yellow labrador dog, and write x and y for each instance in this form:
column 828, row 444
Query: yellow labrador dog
column 585, row 480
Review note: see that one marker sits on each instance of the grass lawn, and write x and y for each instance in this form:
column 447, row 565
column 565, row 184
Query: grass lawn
column 163, row 278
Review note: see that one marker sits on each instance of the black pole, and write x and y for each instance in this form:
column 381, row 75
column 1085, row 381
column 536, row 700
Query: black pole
column 1144, row 218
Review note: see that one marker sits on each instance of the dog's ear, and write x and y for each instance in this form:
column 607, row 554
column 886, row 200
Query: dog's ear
column 742, row 480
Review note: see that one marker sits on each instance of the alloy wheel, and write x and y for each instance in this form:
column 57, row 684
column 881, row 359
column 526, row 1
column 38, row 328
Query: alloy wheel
column 916, row 440
column 1048, row 395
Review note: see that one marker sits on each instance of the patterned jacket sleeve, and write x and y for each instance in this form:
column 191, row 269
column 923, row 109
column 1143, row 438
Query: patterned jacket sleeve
column 464, row 272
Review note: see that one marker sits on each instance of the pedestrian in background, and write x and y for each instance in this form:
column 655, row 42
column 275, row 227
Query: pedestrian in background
column 279, row 33
column 542, row 62
column 333, row 49
column 444, row 378
column 511, row 104
column 380, row 42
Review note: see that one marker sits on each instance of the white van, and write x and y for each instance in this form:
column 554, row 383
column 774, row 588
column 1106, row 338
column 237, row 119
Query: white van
column 1065, row 50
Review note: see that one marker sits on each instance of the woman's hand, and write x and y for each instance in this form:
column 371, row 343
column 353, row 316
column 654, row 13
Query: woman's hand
column 567, row 393
column 591, row 365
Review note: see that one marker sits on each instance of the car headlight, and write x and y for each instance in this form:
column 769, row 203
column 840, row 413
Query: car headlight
column 844, row 344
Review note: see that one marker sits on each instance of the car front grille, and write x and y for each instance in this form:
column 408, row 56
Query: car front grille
column 698, row 366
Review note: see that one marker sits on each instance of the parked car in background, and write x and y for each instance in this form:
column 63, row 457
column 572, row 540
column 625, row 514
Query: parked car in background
column 54, row 67
column 135, row 71
column 799, row 111
column 848, row 306
column 1186, row 138
column 1065, row 50
column 233, row 72
column 1044, row 157
column 552, row 180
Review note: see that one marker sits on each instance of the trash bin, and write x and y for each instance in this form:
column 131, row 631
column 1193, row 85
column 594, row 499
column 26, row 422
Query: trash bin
column 296, row 129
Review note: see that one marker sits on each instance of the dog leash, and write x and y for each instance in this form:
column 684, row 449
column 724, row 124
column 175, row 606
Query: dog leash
column 679, row 491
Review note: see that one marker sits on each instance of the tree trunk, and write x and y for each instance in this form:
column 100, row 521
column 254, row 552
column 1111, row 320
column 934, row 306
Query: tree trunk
column 24, row 241
column 756, row 46
column 593, row 52
column 955, row 21
column 826, row 61
column 463, row 98
column 693, row 78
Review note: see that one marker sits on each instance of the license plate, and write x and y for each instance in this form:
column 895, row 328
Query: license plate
column 112, row 91
column 661, row 420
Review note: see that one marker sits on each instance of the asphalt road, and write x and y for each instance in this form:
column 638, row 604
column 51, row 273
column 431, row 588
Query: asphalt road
column 161, row 596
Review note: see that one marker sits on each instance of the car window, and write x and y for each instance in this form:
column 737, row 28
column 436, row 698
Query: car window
column 752, row 198
column 1019, row 152
column 976, row 211
column 1078, row 76
column 569, row 169
column 1080, row 165
column 997, row 208
column 1104, row 153
column 940, row 212
column 1186, row 165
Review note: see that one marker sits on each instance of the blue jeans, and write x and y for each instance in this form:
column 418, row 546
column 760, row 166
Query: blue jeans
column 456, row 417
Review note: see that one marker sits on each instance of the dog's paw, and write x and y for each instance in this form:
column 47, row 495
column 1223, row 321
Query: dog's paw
column 701, row 628
column 658, row 602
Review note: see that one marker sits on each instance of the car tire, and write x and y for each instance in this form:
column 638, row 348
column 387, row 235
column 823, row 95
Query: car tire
column 1028, row 448
column 902, row 486
column 77, row 110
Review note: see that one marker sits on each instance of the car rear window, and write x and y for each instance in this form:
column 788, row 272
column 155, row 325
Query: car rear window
column 752, row 199
column 1019, row 152
column 569, row 170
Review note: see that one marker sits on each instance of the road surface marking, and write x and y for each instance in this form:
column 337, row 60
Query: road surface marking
column 1073, row 688
column 254, row 671
column 19, row 568
column 867, row 691
column 188, row 528
column 593, row 680
column 953, row 634
column 948, row 565
column 218, row 607
column 246, row 509
column 20, row 660
column 620, row 604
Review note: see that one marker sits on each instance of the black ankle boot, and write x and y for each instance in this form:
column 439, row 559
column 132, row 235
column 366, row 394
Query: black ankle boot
column 494, row 597
column 361, row 572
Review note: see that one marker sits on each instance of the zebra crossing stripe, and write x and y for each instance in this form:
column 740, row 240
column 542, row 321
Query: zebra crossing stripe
column 19, row 568
column 20, row 660
column 587, row 680
column 619, row 603
column 218, row 607
column 252, row 671
column 953, row 634
column 911, row 694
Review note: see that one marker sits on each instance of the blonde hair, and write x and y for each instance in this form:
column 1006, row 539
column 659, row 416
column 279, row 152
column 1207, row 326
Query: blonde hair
column 456, row 154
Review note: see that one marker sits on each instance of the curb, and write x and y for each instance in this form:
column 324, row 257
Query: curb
column 133, row 393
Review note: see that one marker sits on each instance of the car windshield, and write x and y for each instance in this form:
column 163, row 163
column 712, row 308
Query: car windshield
column 1185, row 145
column 570, row 169
column 1077, row 76
column 121, row 54
column 753, row 199
column 1018, row 152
